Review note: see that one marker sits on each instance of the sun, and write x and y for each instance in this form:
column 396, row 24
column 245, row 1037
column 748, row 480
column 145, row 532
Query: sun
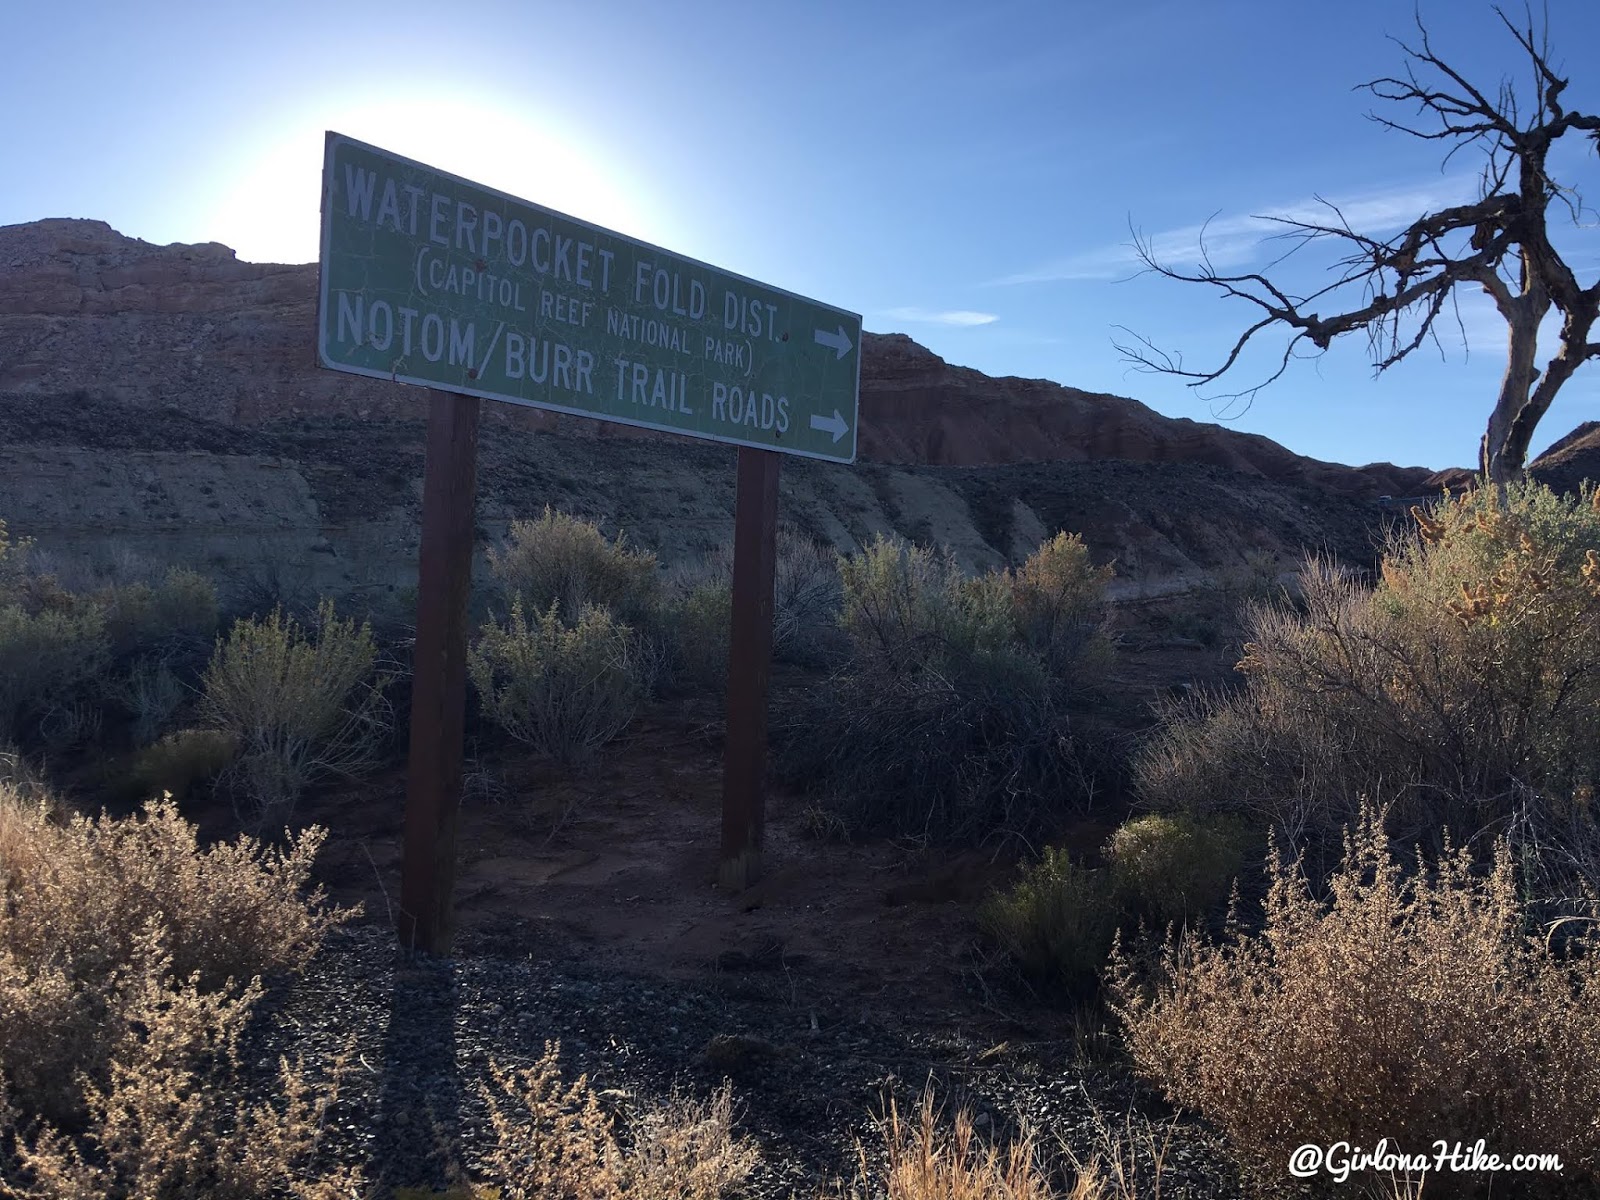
column 269, row 210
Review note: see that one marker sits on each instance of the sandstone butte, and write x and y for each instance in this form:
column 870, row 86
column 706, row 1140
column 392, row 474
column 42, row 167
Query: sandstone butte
column 192, row 327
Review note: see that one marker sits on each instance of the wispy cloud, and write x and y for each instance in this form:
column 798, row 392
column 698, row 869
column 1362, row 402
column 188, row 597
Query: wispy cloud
column 955, row 316
column 1239, row 239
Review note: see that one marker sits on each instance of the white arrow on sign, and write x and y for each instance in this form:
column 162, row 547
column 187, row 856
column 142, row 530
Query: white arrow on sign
column 834, row 424
column 839, row 342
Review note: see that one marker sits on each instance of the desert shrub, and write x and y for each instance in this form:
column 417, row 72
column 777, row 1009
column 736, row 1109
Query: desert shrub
column 1464, row 687
column 565, row 560
column 304, row 705
column 1410, row 1005
column 232, row 909
column 46, row 657
column 908, row 606
column 14, row 572
column 152, row 693
column 959, row 710
column 64, row 655
column 1255, row 580
column 564, row 690
column 186, row 602
column 806, row 600
column 25, row 780
column 1058, row 599
column 139, row 618
column 807, row 596
column 69, row 722
column 89, row 904
column 263, row 579
column 552, row 1139
column 923, row 1158
column 1179, row 867
column 163, row 1116
column 1057, row 922
column 700, row 623
column 178, row 762
column 24, row 805
column 24, row 583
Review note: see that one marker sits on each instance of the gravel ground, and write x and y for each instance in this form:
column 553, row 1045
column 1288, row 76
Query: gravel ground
column 805, row 1081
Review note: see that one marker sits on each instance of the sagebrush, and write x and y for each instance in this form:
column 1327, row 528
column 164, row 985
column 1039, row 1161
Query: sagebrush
column 961, row 709
column 565, row 560
column 551, row 1138
column 129, row 961
column 806, row 600
column 565, row 690
column 1179, row 867
column 1416, row 1003
column 46, row 658
column 1057, row 922
column 302, row 704
column 1464, row 688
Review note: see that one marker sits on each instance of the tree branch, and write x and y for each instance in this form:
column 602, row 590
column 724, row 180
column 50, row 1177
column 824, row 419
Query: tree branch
column 1500, row 242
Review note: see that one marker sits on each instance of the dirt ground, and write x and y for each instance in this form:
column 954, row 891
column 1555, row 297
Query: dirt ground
column 618, row 869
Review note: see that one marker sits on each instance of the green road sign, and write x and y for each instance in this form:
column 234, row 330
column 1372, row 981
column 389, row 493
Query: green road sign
column 430, row 279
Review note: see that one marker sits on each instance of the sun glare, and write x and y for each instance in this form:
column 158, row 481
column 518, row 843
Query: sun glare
column 271, row 211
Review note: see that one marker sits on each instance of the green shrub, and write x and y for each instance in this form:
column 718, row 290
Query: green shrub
column 64, row 655
column 128, row 610
column 1178, row 867
column 959, row 709
column 1413, row 1005
column 45, row 657
column 565, row 560
column 140, row 618
column 1057, row 923
column 1464, row 688
column 160, row 638
column 912, row 608
column 564, row 690
column 303, row 705
column 700, row 623
column 179, row 761
column 1058, row 598
column 185, row 605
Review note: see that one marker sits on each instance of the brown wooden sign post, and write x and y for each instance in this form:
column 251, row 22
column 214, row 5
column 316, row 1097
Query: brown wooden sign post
column 439, row 674
column 744, row 762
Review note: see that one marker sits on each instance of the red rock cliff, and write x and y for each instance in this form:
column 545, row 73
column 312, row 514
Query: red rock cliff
column 83, row 307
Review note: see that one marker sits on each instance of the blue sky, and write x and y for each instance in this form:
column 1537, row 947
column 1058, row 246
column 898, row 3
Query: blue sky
column 966, row 174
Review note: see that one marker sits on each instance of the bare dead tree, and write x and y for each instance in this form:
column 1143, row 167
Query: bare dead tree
column 1396, row 289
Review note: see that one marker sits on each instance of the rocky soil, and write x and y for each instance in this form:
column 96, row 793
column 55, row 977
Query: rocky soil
column 806, row 1078
column 332, row 504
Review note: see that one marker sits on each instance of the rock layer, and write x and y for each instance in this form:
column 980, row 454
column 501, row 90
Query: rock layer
column 84, row 308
